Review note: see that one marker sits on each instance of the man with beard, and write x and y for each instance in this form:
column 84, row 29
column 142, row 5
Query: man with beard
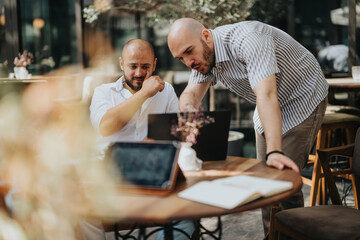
column 119, row 111
column 265, row 66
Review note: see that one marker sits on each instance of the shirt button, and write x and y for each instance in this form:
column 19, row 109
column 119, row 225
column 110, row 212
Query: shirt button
column 219, row 68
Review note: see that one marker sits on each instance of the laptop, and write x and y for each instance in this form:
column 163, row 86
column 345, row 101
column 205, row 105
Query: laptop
column 144, row 167
column 212, row 140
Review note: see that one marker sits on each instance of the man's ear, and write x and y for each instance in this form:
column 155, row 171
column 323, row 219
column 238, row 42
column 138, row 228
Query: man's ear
column 155, row 61
column 121, row 63
column 206, row 36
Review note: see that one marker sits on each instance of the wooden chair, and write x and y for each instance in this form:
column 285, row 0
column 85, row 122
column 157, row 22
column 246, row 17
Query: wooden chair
column 333, row 121
column 324, row 222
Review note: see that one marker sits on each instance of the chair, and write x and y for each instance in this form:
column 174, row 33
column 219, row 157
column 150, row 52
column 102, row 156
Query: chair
column 333, row 121
column 324, row 222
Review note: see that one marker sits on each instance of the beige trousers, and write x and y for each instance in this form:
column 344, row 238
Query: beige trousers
column 296, row 144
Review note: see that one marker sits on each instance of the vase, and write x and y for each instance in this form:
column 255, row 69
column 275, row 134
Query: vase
column 187, row 158
column 21, row 72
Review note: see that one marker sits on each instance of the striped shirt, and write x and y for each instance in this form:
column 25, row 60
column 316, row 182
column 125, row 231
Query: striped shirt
column 250, row 51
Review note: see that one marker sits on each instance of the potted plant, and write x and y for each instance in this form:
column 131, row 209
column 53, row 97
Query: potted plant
column 20, row 62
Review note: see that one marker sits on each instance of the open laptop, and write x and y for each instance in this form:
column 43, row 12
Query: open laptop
column 211, row 142
column 144, row 167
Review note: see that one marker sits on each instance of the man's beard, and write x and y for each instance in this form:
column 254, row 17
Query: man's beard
column 128, row 82
column 208, row 56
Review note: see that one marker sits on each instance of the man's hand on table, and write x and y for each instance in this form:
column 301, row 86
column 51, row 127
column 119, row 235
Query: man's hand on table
column 281, row 161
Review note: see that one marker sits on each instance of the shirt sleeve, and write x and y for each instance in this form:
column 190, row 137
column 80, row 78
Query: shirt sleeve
column 173, row 101
column 100, row 104
column 198, row 77
column 258, row 52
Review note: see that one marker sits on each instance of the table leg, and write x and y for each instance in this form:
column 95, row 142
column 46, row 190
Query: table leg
column 142, row 233
column 125, row 236
column 212, row 233
column 168, row 231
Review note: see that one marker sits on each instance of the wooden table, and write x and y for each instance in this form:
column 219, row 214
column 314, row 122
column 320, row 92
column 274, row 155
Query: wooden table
column 8, row 85
column 343, row 83
column 348, row 85
column 68, row 86
column 148, row 209
column 38, row 79
column 14, row 80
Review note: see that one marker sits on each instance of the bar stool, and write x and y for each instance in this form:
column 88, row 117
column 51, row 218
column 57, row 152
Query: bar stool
column 347, row 124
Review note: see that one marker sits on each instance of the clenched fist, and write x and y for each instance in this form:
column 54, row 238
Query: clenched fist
column 152, row 85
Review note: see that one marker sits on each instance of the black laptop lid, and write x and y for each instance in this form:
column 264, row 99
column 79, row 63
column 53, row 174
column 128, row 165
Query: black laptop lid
column 211, row 142
column 144, row 164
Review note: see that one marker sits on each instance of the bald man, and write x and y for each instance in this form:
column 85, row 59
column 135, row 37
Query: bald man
column 119, row 111
column 265, row 66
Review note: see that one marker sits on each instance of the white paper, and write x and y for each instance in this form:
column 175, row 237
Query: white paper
column 234, row 191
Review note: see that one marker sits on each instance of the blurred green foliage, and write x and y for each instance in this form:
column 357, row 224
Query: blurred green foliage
column 211, row 13
column 273, row 12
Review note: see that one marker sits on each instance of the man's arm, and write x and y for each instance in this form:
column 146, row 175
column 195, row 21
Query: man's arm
column 270, row 115
column 190, row 98
column 117, row 117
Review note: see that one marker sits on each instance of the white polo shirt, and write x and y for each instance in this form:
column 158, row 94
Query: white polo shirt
column 107, row 96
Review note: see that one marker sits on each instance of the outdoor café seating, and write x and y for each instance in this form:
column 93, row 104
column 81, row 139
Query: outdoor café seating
column 337, row 129
column 324, row 222
column 74, row 81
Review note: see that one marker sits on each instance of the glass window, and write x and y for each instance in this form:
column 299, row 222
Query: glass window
column 2, row 31
column 357, row 34
column 115, row 28
column 322, row 30
column 48, row 31
column 3, row 63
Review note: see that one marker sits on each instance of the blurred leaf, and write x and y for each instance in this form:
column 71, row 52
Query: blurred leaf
column 209, row 12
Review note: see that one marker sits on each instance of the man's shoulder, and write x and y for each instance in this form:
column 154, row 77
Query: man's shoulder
column 106, row 86
column 242, row 29
column 168, row 91
column 168, row 85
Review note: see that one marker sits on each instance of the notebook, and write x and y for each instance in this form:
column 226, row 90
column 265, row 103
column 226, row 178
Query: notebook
column 144, row 167
column 212, row 140
column 234, row 191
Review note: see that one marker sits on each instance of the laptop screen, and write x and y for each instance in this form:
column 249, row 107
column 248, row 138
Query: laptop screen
column 212, row 140
column 145, row 164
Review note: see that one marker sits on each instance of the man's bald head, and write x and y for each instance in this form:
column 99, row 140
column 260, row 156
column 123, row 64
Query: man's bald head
column 193, row 44
column 184, row 30
column 138, row 45
column 188, row 26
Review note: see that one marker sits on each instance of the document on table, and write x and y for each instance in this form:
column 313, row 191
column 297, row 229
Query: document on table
column 234, row 191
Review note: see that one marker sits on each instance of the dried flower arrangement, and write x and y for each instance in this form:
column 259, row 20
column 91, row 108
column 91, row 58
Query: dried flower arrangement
column 188, row 127
column 24, row 59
